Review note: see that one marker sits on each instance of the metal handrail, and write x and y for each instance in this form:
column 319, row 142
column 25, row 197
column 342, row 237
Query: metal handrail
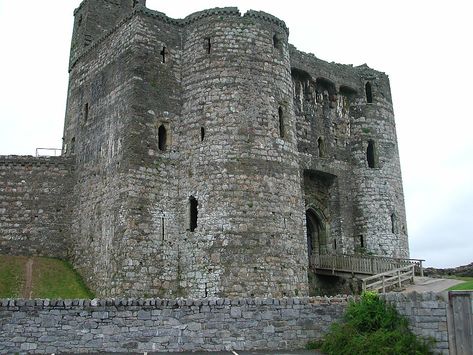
column 55, row 150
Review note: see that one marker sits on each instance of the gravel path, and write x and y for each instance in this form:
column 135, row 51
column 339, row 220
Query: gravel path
column 27, row 288
column 426, row 284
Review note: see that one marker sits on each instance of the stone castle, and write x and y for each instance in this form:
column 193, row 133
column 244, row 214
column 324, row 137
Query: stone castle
column 206, row 156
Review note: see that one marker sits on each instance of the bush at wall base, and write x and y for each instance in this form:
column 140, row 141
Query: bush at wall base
column 372, row 327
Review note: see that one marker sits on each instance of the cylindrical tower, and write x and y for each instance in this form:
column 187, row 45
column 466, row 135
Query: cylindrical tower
column 380, row 219
column 240, row 180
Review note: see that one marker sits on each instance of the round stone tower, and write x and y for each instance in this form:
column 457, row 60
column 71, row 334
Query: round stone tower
column 380, row 218
column 240, row 172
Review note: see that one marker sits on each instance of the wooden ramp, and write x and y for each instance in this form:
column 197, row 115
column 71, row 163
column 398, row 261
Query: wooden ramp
column 376, row 272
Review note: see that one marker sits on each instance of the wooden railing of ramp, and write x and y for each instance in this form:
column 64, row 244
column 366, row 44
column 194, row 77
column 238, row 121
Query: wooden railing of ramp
column 386, row 280
column 363, row 264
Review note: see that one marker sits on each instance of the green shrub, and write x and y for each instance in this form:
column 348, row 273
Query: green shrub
column 314, row 345
column 372, row 327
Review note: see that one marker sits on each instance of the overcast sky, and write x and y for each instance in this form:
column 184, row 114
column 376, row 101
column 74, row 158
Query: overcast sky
column 424, row 46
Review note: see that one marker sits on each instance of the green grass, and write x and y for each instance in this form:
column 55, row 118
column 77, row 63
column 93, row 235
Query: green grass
column 11, row 275
column 52, row 278
column 465, row 286
column 56, row 279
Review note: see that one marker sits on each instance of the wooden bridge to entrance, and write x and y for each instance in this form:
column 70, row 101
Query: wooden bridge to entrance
column 376, row 272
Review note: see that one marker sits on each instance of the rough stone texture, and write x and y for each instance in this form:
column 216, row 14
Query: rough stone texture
column 427, row 315
column 212, row 324
column 34, row 216
column 142, row 325
column 218, row 107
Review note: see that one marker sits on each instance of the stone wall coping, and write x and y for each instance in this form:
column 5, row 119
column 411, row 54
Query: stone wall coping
column 32, row 160
column 267, row 17
column 9, row 303
column 217, row 11
column 413, row 296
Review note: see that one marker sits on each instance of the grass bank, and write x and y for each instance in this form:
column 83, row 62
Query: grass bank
column 45, row 278
column 465, row 286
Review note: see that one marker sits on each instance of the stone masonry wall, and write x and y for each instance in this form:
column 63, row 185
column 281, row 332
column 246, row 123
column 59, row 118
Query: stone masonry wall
column 335, row 122
column 244, row 172
column 125, row 325
column 34, row 208
column 427, row 315
column 212, row 324
column 201, row 145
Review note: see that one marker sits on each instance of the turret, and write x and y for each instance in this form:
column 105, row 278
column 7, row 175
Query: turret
column 93, row 18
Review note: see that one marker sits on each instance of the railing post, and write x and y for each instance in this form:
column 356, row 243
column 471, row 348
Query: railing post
column 421, row 269
column 384, row 287
column 372, row 266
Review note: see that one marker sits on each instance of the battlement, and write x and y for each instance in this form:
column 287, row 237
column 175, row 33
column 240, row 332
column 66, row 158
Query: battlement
column 178, row 23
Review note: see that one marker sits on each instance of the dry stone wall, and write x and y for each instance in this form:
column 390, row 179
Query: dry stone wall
column 212, row 324
column 427, row 315
column 132, row 325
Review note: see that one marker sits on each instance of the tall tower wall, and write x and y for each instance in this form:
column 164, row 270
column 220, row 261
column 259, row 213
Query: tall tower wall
column 243, row 171
column 101, row 86
column 380, row 219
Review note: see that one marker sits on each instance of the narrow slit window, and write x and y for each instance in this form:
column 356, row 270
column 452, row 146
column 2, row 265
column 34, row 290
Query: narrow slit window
column 202, row 134
column 361, row 241
column 73, row 145
column 86, row 112
column 162, row 138
column 193, row 213
column 163, row 55
column 321, row 147
column 281, row 122
column 163, row 238
column 276, row 42
column 207, row 44
column 334, row 244
column 369, row 93
column 393, row 223
column 371, row 154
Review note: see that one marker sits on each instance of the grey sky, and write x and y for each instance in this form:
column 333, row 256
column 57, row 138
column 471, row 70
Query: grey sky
column 424, row 46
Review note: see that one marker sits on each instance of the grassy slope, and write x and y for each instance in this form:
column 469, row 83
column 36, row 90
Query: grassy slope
column 467, row 285
column 52, row 278
column 12, row 275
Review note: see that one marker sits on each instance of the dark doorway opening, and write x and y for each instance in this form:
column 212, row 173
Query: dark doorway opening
column 162, row 137
column 369, row 93
column 315, row 233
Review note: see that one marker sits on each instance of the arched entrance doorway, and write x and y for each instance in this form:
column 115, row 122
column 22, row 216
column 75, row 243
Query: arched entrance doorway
column 315, row 233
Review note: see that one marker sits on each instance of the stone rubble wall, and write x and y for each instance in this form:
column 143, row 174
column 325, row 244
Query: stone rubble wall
column 427, row 315
column 212, row 324
column 34, row 211
column 131, row 325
